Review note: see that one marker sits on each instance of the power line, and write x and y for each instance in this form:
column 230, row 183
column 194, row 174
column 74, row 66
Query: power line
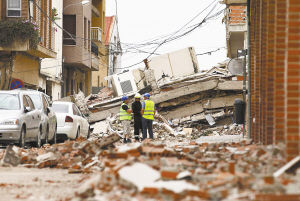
column 210, row 52
column 171, row 38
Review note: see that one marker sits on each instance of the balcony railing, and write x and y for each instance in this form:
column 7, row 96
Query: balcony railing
column 96, row 34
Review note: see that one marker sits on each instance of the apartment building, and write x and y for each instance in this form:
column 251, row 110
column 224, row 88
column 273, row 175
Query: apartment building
column 236, row 29
column 51, row 68
column 26, row 37
column 99, row 34
column 275, row 73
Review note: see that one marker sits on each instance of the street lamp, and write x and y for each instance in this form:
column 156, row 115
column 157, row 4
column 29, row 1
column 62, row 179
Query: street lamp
column 82, row 3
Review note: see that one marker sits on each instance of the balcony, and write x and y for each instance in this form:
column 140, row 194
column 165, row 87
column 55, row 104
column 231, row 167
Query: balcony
column 234, row 2
column 96, row 34
column 32, row 42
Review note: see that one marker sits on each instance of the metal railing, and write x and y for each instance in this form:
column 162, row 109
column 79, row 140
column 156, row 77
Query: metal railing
column 96, row 34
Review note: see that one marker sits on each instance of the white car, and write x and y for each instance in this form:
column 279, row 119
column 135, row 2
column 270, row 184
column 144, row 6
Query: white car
column 70, row 122
column 48, row 117
column 20, row 121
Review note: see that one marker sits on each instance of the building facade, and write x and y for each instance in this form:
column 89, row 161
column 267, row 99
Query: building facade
column 26, row 37
column 51, row 69
column 275, row 73
column 112, row 41
column 112, row 57
column 98, row 36
column 236, row 29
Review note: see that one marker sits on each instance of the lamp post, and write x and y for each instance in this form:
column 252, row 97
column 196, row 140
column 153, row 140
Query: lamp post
column 84, row 2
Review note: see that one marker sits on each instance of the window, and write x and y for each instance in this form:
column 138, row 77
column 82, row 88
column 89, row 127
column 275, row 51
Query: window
column 75, row 110
column 45, row 103
column 89, row 34
column 9, row 102
column 85, row 32
column 60, row 108
column 70, row 26
column 29, row 101
column 25, row 102
column 13, row 8
column 36, row 100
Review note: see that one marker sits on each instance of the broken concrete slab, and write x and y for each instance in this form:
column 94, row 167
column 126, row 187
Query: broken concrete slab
column 100, row 127
column 139, row 174
column 99, row 116
column 11, row 156
column 186, row 90
column 231, row 85
column 186, row 110
column 221, row 102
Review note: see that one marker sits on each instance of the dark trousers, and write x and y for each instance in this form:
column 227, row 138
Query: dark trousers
column 147, row 125
column 137, row 127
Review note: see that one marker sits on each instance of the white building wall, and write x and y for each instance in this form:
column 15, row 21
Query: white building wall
column 175, row 64
column 115, row 51
column 52, row 68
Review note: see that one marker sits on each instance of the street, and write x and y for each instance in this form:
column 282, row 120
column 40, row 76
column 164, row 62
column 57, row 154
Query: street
column 20, row 183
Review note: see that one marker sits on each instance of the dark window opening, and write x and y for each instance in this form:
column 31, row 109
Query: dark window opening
column 70, row 26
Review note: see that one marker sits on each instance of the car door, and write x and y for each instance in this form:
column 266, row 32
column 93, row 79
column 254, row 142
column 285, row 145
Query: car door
column 84, row 122
column 37, row 117
column 32, row 127
column 51, row 118
column 27, row 117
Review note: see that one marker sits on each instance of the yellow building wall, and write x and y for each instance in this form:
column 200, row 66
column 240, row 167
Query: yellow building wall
column 26, row 68
column 98, row 76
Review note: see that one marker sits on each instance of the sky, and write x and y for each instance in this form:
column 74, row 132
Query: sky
column 140, row 20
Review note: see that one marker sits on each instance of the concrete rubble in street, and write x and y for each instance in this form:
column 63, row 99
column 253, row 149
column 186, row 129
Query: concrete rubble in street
column 181, row 166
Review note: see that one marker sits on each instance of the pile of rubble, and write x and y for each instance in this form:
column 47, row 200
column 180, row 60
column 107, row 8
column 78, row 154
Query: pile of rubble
column 156, row 170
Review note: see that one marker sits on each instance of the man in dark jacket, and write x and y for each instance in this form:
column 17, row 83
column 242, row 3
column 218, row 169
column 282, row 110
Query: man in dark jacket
column 136, row 110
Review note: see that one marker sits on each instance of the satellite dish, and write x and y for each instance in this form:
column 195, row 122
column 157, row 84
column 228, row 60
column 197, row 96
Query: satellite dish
column 235, row 66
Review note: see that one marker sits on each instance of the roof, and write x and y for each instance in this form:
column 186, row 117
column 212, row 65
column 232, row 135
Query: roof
column 109, row 20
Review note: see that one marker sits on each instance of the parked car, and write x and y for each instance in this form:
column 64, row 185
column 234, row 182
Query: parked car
column 41, row 102
column 70, row 122
column 20, row 121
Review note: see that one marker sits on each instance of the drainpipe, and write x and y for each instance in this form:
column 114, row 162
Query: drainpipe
column 249, row 71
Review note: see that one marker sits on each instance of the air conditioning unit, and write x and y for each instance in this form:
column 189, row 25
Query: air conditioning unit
column 123, row 83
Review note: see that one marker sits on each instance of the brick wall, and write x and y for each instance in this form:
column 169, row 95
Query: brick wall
column 275, row 71
column 292, row 78
column 280, row 41
column 41, row 14
column 237, row 14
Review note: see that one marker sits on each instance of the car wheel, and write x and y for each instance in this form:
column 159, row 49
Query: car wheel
column 78, row 133
column 89, row 133
column 22, row 137
column 38, row 142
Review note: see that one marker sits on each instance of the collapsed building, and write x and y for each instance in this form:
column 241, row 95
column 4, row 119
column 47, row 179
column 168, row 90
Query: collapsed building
column 193, row 98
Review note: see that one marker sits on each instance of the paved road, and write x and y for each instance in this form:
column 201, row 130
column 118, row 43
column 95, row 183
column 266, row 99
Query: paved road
column 21, row 183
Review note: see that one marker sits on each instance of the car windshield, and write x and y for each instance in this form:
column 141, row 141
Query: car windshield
column 60, row 108
column 9, row 102
column 36, row 100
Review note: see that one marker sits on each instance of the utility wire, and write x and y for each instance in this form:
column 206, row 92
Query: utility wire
column 171, row 38
column 210, row 52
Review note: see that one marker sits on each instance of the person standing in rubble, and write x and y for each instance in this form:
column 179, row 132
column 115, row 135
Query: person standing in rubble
column 148, row 112
column 125, row 118
column 136, row 110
